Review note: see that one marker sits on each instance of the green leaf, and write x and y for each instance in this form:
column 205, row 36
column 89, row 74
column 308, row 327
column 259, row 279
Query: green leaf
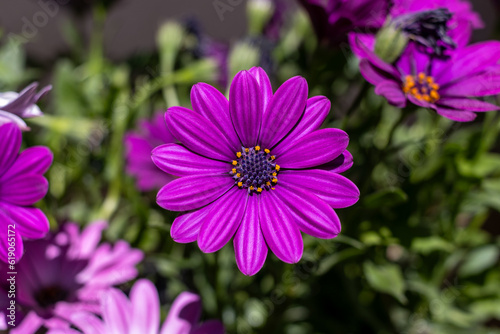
column 430, row 244
column 480, row 167
column 386, row 278
column 479, row 260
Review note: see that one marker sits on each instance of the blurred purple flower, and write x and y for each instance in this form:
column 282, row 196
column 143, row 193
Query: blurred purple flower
column 446, row 85
column 333, row 19
column 141, row 314
column 16, row 106
column 459, row 27
column 232, row 155
column 65, row 273
column 461, row 24
column 21, row 185
column 139, row 145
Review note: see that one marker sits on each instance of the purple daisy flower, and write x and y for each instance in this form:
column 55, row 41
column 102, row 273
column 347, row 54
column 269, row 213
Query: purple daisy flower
column 139, row 145
column 141, row 314
column 21, row 185
column 333, row 19
column 446, row 85
column 459, row 27
column 16, row 106
column 255, row 167
column 66, row 273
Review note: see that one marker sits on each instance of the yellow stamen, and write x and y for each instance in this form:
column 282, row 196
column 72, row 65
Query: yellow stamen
column 426, row 98
column 247, row 150
column 268, row 183
column 435, row 86
column 257, row 148
column 278, row 167
column 240, row 184
column 235, row 162
column 273, row 157
column 435, row 95
column 233, row 170
column 238, row 154
column 274, row 174
column 251, row 188
column 259, row 190
column 421, row 77
column 273, row 188
column 275, row 180
column 238, row 175
column 267, row 151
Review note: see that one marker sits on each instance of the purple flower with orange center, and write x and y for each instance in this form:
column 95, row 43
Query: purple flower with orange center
column 256, row 167
column 139, row 145
column 21, row 185
column 447, row 85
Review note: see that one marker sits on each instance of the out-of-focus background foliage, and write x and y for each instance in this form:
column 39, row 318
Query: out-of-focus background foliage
column 420, row 251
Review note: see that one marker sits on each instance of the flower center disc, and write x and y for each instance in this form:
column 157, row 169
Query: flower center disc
column 422, row 87
column 254, row 169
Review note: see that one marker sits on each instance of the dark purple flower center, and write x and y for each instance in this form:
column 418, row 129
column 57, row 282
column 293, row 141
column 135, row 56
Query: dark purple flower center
column 49, row 296
column 254, row 169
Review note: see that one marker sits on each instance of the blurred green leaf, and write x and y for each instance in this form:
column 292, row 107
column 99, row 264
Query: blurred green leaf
column 386, row 278
column 479, row 260
column 430, row 244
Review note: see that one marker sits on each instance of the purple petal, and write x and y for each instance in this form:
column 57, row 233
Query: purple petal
column 184, row 313
column 281, row 233
column 193, row 192
column 7, row 240
column 249, row 245
column 456, row 115
column 186, row 227
column 7, row 117
column 314, row 149
column 336, row 190
column 221, row 223
column 470, row 60
column 246, row 108
column 90, row 237
column 312, row 215
column 145, row 308
column 367, row 40
column 24, row 189
column 211, row 104
column 466, row 104
column 372, row 74
column 198, row 134
column 317, row 109
column 117, row 311
column 10, row 143
column 478, row 85
column 392, row 92
column 88, row 322
column 264, row 83
column 375, row 60
column 340, row 164
column 30, row 222
column 23, row 100
column 178, row 160
column 284, row 111
column 33, row 160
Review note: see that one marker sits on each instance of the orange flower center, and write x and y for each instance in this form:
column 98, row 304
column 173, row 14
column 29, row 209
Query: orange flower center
column 422, row 87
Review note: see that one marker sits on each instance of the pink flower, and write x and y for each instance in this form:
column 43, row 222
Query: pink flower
column 141, row 314
column 65, row 273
